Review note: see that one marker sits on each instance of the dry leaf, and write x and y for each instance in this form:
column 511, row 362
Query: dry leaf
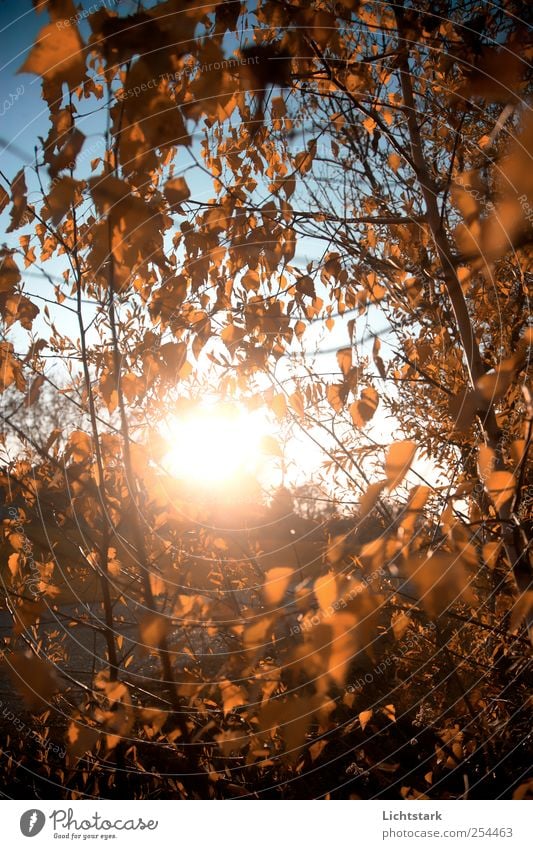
column 276, row 584
column 399, row 458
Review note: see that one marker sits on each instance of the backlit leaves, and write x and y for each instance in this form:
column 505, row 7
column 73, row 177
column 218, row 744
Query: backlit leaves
column 276, row 584
column 177, row 191
column 500, row 486
column 363, row 410
column 440, row 579
column 79, row 446
column 153, row 629
column 398, row 461
column 56, row 57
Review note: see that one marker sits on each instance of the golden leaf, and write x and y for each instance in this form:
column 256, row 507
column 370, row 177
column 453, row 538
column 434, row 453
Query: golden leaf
column 486, row 460
column 438, row 581
column 297, row 403
column 278, row 406
column 325, row 590
column 336, row 395
column 394, row 161
column 500, row 486
column 363, row 410
column 344, row 359
column 232, row 696
column 399, row 458
column 364, row 718
column 176, row 191
column 277, row 581
column 370, row 497
column 79, row 446
column 153, row 629
column 57, row 57
column 81, row 739
column 491, row 551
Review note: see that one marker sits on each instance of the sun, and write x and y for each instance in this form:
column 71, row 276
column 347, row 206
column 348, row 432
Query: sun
column 215, row 444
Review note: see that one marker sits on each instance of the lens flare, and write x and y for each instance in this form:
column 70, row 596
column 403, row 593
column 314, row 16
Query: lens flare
column 216, row 444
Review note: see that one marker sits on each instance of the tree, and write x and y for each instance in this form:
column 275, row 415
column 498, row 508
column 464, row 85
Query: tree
column 397, row 139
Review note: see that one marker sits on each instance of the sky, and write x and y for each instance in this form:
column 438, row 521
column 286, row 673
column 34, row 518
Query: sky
column 25, row 120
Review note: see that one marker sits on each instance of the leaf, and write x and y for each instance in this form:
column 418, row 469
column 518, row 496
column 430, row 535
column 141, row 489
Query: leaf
column 176, row 191
column 344, row 359
column 394, row 161
column 493, row 385
column 297, row 403
column 232, row 696
column 336, row 549
column 277, row 581
column 363, row 410
column 292, row 717
column 438, row 581
column 20, row 213
column 500, row 486
column 258, row 634
column 390, row 713
column 69, row 145
column 380, row 365
column 325, row 590
column 56, row 57
column 278, row 406
column 153, row 629
column 61, row 198
column 486, row 460
column 399, row 458
column 10, row 368
column 370, row 497
column 13, row 563
column 4, row 198
column 336, row 395
column 364, row 718
column 9, row 272
column 35, row 389
column 417, row 500
column 81, row 739
column 18, row 308
column 79, row 446
column 271, row 446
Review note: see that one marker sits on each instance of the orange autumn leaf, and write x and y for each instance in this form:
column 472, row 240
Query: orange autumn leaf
column 277, row 581
column 363, row 410
column 398, row 461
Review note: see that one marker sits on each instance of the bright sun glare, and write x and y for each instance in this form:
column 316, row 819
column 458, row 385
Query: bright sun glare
column 215, row 444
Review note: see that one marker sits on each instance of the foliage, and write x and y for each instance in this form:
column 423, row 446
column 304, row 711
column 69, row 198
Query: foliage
column 245, row 645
